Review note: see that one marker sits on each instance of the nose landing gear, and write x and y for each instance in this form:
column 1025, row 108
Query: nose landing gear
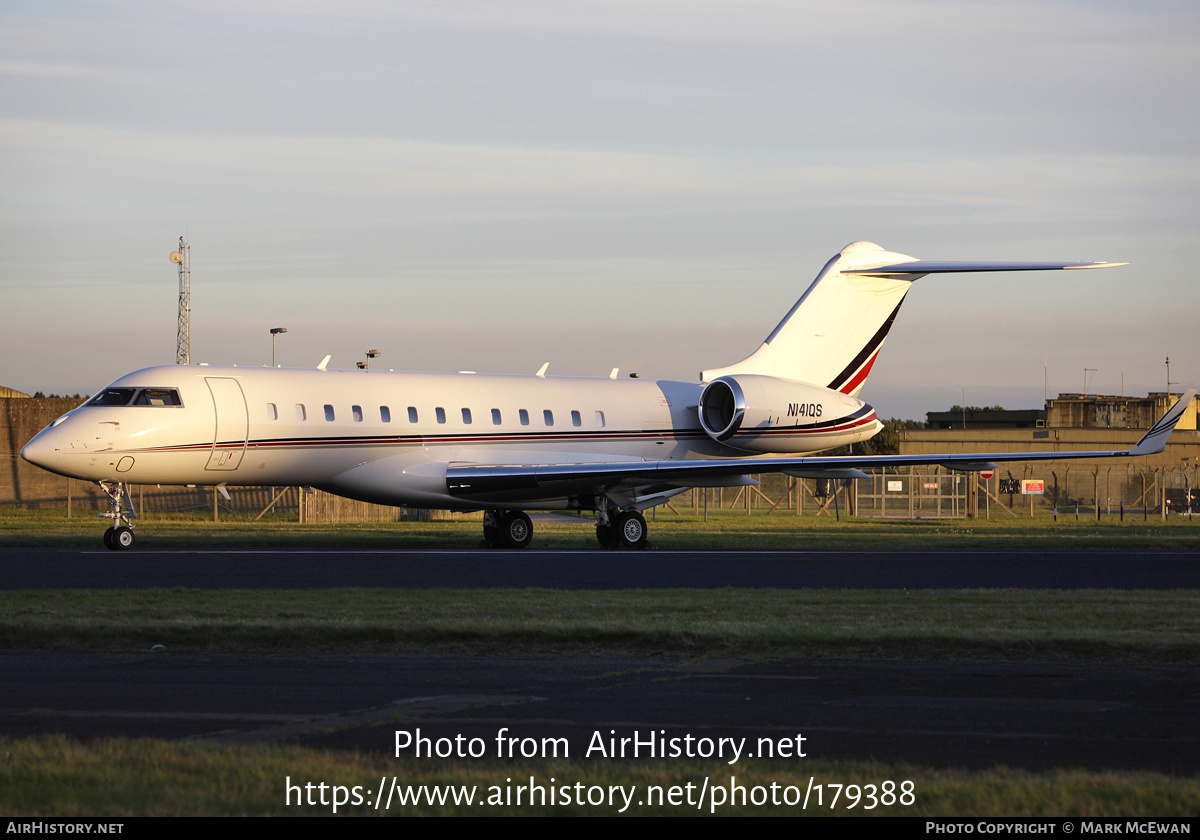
column 120, row 536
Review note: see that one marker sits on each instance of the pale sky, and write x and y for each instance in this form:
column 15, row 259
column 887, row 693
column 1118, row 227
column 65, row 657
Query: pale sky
column 645, row 185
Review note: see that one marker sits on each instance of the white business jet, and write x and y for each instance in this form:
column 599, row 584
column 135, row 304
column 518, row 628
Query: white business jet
column 507, row 444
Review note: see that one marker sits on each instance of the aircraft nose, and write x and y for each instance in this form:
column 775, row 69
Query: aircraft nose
column 44, row 449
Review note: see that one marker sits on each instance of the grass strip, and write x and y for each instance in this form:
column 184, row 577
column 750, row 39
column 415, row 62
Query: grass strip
column 1158, row 625
column 53, row 776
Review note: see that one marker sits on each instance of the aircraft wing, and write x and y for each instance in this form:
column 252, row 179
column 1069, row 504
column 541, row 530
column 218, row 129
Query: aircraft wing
column 492, row 482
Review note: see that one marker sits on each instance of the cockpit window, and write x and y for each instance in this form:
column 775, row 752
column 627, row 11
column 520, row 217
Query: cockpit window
column 113, row 396
column 136, row 396
column 157, row 396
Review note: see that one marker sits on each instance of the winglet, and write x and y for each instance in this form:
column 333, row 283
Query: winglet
column 1155, row 440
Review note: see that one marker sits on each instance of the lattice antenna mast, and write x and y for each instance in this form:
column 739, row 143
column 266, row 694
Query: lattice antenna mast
column 183, row 258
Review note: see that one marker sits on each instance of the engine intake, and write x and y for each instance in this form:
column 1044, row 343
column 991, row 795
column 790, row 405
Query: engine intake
column 759, row 413
column 722, row 408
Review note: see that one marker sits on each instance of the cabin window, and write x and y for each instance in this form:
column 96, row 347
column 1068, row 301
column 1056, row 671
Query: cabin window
column 495, row 417
column 272, row 413
column 356, row 413
column 548, row 416
column 576, row 420
column 301, row 414
column 599, row 419
column 385, row 414
column 412, row 414
column 440, row 413
column 524, row 415
column 466, row 412
column 329, row 413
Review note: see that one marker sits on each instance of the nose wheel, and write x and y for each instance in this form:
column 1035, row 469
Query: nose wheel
column 120, row 536
column 118, row 539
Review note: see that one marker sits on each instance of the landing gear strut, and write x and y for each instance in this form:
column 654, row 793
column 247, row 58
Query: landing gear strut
column 507, row 529
column 120, row 536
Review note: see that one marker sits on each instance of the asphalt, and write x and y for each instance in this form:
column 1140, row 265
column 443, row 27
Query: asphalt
column 965, row 714
column 945, row 713
column 146, row 567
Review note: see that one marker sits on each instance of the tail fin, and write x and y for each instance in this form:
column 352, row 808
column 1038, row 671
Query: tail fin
column 833, row 334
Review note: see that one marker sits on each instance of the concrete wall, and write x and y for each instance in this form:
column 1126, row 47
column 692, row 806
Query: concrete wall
column 23, row 484
column 1078, row 411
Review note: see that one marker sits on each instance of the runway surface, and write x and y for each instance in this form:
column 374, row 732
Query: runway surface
column 96, row 568
column 945, row 713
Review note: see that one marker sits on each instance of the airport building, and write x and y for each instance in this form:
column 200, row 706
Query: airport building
column 1076, row 422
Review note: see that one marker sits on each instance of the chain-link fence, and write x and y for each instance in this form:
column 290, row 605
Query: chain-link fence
column 903, row 493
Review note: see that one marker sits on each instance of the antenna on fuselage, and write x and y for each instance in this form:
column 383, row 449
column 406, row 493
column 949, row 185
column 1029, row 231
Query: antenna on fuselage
column 183, row 327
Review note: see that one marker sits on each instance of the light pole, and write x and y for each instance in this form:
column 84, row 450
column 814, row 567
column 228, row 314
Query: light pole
column 370, row 354
column 274, row 332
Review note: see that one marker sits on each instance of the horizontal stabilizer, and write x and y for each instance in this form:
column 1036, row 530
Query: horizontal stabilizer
column 943, row 267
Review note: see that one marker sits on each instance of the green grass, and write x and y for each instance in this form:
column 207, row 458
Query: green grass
column 1159, row 625
column 55, row 776
column 724, row 529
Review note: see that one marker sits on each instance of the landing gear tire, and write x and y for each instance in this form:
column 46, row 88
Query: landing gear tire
column 491, row 536
column 516, row 529
column 122, row 538
column 606, row 536
column 631, row 530
column 118, row 539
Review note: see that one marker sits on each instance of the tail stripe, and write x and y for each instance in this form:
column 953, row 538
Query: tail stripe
column 847, row 381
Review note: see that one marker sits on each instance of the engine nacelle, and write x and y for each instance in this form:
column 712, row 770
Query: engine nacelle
column 769, row 414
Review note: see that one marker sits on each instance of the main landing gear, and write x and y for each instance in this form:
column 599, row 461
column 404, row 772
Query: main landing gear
column 507, row 529
column 120, row 536
column 621, row 529
column 614, row 529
